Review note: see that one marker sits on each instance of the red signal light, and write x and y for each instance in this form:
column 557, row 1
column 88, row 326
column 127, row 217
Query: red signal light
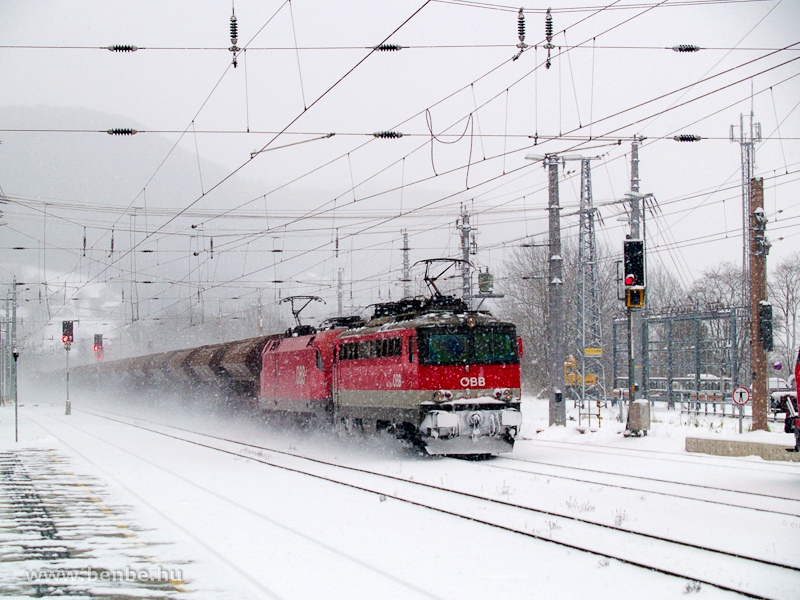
column 65, row 339
column 630, row 280
column 96, row 348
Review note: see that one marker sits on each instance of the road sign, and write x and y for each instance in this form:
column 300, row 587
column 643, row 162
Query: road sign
column 741, row 396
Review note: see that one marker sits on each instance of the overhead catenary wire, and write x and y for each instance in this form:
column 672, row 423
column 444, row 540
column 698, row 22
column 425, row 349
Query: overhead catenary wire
column 403, row 187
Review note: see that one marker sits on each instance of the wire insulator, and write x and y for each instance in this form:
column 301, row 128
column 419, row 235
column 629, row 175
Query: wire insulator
column 686, row 48
column 234, row 30
column 521, row 25
column 388, row 47
column 123, row 48
column 548, row 34
column 548, row 26
column 387, row 134
column 687, row 137
column 122, row 131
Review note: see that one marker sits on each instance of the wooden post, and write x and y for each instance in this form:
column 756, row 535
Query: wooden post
column 759, row 247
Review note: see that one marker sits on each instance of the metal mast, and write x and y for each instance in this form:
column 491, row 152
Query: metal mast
column 466, row 250
column 340, row 293
column 555, row 319
column 555, row 294
column 590, row 341
column 747, row 141
column 634, row 316
column 406, row 266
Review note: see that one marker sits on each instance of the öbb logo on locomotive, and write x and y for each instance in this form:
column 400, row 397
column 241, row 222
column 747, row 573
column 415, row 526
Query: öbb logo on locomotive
column 418, row 369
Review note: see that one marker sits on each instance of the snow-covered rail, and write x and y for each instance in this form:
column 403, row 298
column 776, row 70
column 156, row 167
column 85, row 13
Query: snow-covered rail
column 752, row 575
column 609, row 477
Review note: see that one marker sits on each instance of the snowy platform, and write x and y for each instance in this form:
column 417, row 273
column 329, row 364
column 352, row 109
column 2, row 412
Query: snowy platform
column 61, row 535
column 725, row 447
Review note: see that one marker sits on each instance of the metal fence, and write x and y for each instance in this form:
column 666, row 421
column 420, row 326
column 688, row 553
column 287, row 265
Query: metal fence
column 689, row 359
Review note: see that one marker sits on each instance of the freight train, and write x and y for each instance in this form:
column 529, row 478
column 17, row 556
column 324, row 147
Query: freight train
column 427, row 370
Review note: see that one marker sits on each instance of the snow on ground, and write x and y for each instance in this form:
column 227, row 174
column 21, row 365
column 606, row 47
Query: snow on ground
column 233, row 528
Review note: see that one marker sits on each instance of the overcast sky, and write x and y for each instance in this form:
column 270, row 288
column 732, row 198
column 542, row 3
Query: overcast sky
column 309, row 70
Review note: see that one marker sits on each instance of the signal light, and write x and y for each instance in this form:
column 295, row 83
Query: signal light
column 66, row 332
column 765, row 325
column 634, row 297
column 633, row 263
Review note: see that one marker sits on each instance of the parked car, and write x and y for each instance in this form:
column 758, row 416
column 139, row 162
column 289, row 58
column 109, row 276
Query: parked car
column 780, row 392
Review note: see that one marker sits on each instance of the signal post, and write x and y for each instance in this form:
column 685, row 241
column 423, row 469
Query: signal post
column 635, row 287
column 67, row 337
column 760, row 309
column 98, row 353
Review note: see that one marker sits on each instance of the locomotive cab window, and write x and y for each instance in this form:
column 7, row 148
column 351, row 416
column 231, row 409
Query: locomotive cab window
column 458, row 346
column 447, row 348
column 494, row 347
column 380, row 348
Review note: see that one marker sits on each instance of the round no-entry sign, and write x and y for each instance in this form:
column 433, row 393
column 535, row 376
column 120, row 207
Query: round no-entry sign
column 741, row 396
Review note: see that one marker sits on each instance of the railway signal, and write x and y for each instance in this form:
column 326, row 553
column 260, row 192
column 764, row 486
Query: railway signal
column 634, row 273
column 765, row 325
column 98, row 345
column 66, row 332
column 67, row 338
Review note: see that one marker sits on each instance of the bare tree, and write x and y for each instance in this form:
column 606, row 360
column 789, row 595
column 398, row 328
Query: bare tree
column 525, row 304
column 718, row 286
column 524, row 284
column 664, row 289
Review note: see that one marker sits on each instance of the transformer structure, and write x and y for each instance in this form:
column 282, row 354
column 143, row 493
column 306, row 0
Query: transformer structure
column 590, row 383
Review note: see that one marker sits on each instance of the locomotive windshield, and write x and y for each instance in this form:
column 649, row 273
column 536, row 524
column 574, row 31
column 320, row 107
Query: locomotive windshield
column 459, row 346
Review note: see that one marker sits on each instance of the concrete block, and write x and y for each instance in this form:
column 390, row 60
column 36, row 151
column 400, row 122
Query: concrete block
column 722, row 447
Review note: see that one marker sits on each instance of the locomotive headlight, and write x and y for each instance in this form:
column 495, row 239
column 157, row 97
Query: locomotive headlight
column 442, row 395
column 503, row 394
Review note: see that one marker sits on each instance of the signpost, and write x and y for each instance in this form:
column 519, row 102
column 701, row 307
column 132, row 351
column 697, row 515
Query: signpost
column 740, row 397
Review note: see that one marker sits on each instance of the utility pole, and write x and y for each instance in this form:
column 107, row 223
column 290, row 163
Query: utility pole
column 15, row 355
column 635, row 290
column 760, row 309
column 5, row 335
column 340, row 293
column 467, row 244
column 406, row 266
column 555, row 319
column 260, row 314
column 635, row 368
column 747, row 142
column 589, row 344
column 555, row 294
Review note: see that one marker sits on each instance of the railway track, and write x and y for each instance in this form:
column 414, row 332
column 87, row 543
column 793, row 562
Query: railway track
column 751, row 576
column 779, row 505
column 717, row 461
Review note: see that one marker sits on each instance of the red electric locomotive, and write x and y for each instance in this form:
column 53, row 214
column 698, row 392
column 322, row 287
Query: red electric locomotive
column 426, row 370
